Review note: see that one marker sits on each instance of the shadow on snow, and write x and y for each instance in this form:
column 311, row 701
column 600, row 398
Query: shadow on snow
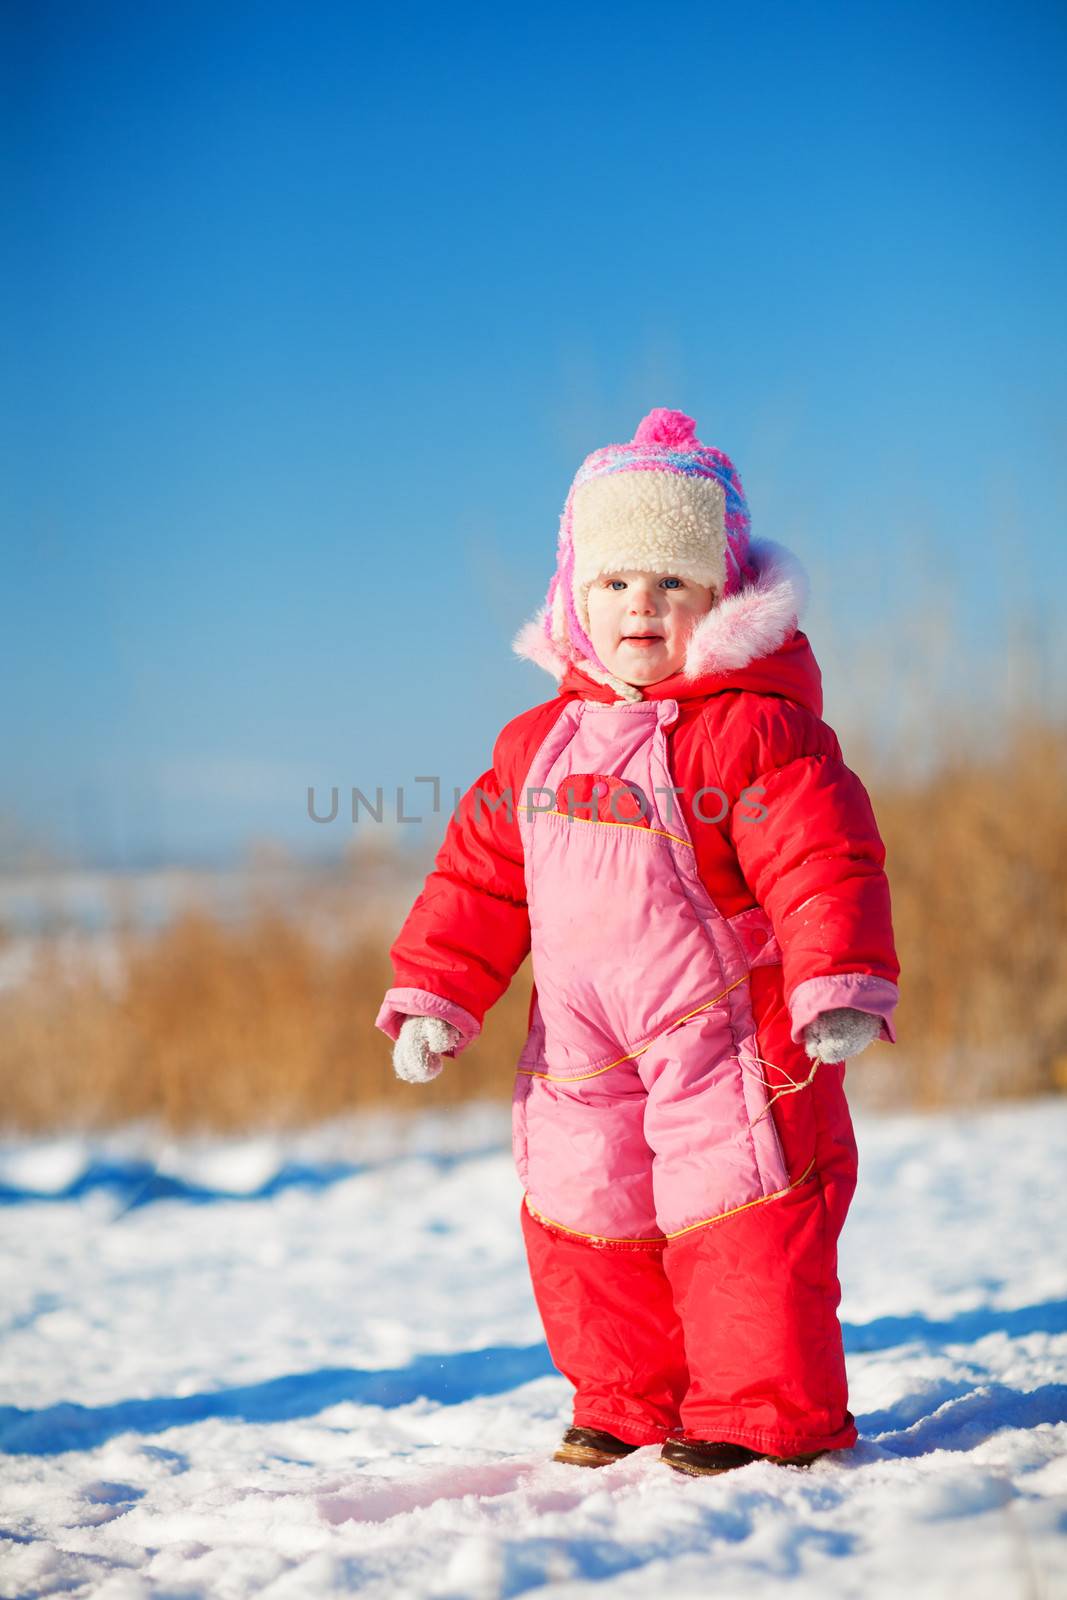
column 448, row 1379
column 140, row 1183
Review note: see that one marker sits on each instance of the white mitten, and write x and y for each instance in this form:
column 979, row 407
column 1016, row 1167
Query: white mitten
column 420, row 1045
column 836, row 1035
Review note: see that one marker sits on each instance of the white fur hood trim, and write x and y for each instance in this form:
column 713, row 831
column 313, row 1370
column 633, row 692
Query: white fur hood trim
column 754, row 622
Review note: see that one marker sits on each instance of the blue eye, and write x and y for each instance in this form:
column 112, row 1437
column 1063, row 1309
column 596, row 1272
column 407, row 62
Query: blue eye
column 672, row 580
column 614, row 581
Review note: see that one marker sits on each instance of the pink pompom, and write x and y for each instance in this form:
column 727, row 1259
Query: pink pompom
column 671, row 428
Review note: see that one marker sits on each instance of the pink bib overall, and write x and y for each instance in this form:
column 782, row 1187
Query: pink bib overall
column 640, row 1110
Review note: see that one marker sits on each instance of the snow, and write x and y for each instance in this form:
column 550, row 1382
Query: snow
column 308, row 1365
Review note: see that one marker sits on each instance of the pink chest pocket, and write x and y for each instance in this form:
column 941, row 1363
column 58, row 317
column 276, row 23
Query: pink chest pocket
column 602, row 797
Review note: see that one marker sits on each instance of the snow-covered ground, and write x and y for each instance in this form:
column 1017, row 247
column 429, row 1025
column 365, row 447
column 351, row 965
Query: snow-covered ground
column 313, row 1366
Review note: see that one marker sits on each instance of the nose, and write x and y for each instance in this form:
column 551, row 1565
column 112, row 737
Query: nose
column 642, row 602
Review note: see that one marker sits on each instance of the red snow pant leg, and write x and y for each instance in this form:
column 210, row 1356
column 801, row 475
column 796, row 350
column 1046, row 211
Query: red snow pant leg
column 612, row 1329
column 757, row 1294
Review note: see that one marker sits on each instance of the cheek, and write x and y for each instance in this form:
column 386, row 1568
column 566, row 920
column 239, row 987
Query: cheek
column 683, row 616
column 600, row 613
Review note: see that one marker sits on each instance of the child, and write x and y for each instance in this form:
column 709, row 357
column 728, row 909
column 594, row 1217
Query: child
column 677, row 841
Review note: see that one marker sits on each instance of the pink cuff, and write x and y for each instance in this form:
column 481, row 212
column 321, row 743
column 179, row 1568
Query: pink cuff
column 861, row 991
column 401, row 1003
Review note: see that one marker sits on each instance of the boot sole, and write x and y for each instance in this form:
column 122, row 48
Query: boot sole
column 585, row 1455
column 694, row 1472
column 691, row 1470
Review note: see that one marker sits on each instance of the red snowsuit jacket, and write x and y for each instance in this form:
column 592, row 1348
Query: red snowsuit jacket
column 814, row 861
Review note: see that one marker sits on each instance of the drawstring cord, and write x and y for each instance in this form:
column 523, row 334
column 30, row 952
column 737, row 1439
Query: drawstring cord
column 789, row 1087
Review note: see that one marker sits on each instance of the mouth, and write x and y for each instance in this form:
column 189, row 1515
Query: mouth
column 644, row 641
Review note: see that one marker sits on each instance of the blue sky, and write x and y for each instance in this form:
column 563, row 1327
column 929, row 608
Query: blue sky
column 313, row 311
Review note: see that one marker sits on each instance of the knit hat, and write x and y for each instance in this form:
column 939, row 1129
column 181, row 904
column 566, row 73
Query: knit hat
column 664, row 502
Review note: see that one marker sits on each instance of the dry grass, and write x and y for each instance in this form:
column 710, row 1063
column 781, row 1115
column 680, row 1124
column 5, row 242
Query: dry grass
column 977, row 861
column 267, row 1021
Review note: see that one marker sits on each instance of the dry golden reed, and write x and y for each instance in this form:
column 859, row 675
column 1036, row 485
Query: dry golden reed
column 977, row 861
column 265, row 1022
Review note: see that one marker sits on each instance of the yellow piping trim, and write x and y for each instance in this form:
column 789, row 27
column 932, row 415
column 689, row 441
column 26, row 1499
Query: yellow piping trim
column 595, row 1238
column 659, row 832
column 579, row 1077
column 777, row 1195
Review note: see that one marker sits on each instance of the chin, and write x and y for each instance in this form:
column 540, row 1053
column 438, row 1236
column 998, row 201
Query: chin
column 642, row 676
column 646, row 679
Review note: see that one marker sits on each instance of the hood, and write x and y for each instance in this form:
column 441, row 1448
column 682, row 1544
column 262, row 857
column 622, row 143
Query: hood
column 750, row 640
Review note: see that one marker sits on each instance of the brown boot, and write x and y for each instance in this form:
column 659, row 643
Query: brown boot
column 589, row 1447
column 700, row 1457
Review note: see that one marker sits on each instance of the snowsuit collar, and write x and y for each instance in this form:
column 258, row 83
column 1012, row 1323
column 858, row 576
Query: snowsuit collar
column 791, row 671
column 750, row 640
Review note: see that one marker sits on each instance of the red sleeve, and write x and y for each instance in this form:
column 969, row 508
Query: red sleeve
column 810, row 850
column 469, row 930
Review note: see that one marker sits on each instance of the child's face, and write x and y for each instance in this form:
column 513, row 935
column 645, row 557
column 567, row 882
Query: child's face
column 625, row 604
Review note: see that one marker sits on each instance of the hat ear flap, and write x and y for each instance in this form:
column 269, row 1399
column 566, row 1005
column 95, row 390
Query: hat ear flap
column 558, row 618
